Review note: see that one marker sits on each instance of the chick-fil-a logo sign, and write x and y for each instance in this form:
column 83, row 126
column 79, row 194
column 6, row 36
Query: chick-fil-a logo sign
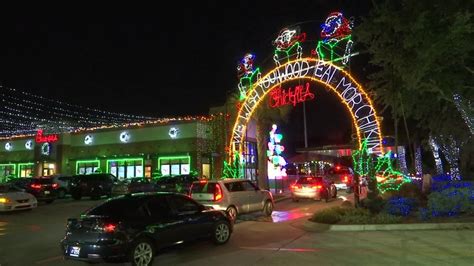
column 40, row 138
column 281, row 97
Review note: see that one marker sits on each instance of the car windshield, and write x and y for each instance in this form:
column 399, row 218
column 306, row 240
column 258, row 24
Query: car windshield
column 203, row 187
column 8, row 188
column 310, row 180
column 43, row 181
column 122, row 207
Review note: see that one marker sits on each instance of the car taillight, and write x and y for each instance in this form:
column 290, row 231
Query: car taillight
column 55, row 185
column 317, row 187
column 109, row 227
column 218, row 193
column 296, row 187
column 345, row 179
column 35, row 186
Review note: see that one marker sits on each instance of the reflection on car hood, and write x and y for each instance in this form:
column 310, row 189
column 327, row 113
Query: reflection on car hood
column 17, row 195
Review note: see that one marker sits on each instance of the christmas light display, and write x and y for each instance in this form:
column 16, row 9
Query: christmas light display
column 247, row 75
column 29, row 144
column 288, row 46
column 124, row 137
column 276, row 162
column 450, row 148
column 336, row 44
column 234, row 169
column 8, row 146
column 281, row 97
column 173, row 132
column 418, row 162
column 23, row 113
column 387, row 178
column 88, row 139
column 466, row 110
column 402, row 160
column 435, row 149
column 46, row 149
column 351, row 94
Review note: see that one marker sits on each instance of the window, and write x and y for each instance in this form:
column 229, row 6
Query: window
column 175, row 165
column 125, row 168
column 25, row 169
column 206, row 170
column 123, row 207
column 49, row 169
column 248, row 186
column 87, row 167
column 158, row 207
column 183, row 205
column 7, row 170
column 235, row 187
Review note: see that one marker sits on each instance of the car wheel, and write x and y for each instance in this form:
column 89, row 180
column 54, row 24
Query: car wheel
column 142, row 253
column 335, row 192
column 326, row 195
column 96, row 194
column 221, row 233
column 61, row 193
column 76, row 196
column 232, row 212
column 295, row 199
column 268, row 208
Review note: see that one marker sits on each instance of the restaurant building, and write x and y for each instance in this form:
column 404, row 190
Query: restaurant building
column 166, row 146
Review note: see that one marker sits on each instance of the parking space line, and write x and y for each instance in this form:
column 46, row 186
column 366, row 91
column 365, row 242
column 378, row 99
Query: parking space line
column 49, row 260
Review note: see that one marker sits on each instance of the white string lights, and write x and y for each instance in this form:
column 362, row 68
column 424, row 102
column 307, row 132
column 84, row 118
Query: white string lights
column 23, row 113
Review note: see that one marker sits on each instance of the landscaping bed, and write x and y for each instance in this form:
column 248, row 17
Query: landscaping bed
column 448, row 202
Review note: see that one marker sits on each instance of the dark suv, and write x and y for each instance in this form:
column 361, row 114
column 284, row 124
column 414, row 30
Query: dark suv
column 136, row 226
column 93, row 185
column 179, row 184
column 44, row 189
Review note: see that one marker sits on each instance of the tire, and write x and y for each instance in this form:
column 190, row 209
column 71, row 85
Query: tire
column 335, row 193
column 221, row 233
column 295, row 199
column 61, row 193
column 96, row 194
column 232, row 213
column 268, row 208
column 142, row 252
column 76, row 196
column 326, row 196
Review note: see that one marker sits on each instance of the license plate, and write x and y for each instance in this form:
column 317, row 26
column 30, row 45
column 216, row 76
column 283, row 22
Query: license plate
column 74, row 251
column 46, row 192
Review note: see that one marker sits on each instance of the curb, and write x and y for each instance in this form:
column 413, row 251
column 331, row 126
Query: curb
column 318, row 227
column 281, row 199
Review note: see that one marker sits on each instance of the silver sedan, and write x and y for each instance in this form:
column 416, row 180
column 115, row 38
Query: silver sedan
column 13, row 199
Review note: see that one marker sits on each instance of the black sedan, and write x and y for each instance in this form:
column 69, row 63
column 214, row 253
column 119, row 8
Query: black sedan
column 179, row 184
column 135, row 226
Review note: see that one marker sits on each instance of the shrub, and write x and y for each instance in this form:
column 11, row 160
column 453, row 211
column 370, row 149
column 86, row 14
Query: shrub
column 410, row 190
column 451, row 201
column 328, row 216
column 399, row 206
column 347, row 204
column 384, row 218
column 373, row 205
column 356, row 216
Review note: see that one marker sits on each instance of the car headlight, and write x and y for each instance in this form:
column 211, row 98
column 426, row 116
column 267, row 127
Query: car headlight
column 4, row 200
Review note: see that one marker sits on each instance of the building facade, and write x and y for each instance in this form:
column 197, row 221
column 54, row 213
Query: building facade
column 139, row 150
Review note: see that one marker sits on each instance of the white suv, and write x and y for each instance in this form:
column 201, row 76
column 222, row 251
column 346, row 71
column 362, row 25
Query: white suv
column 235, row 196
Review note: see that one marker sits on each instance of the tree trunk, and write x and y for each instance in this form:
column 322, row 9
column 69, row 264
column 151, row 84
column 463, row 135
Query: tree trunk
column 262, row 177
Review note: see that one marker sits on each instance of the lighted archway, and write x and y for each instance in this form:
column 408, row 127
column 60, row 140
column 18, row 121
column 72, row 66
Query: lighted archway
column 350, row 92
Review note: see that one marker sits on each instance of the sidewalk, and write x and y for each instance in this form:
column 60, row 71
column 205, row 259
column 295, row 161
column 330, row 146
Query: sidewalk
column 277, row 197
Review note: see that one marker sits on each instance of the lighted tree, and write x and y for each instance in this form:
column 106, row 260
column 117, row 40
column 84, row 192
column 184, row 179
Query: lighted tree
column 276, row 162
column 423, row 55
column 234, row 169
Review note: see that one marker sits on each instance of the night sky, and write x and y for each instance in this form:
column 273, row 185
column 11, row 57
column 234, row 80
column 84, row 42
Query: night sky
column 160, row 61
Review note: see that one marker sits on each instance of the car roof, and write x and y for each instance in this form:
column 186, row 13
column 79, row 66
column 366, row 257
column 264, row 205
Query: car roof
column 225, row 180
